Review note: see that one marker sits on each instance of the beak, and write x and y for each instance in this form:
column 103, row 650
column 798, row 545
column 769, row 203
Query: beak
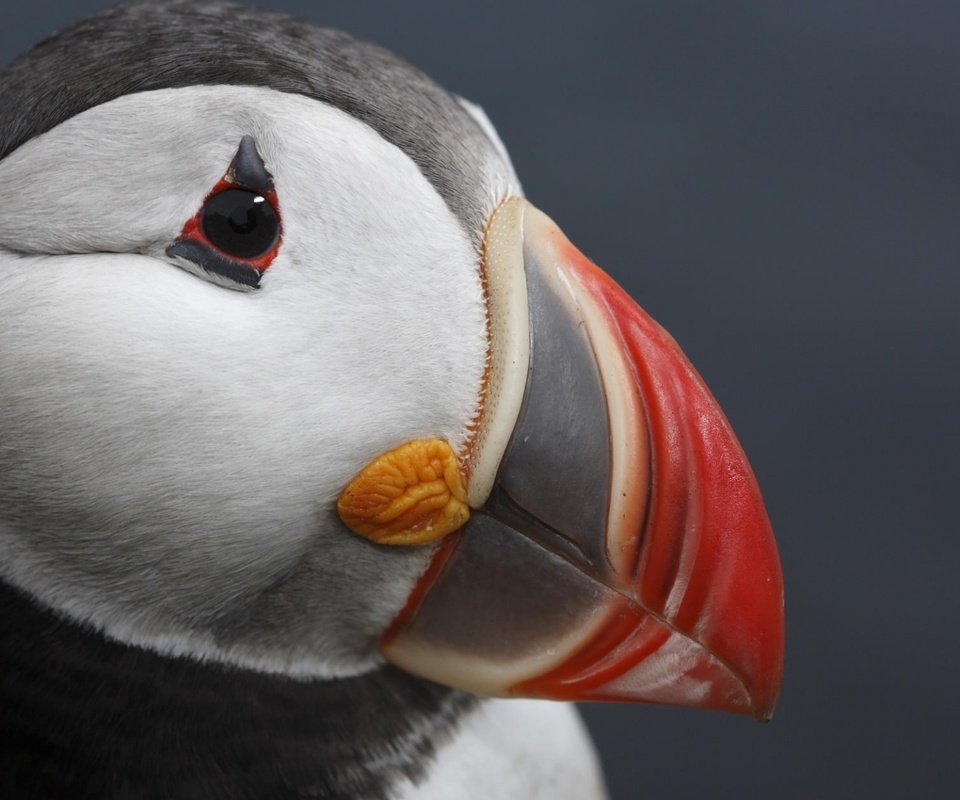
column 619, row 548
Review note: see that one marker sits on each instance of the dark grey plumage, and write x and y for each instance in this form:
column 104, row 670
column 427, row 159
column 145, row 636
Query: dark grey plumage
column 83, row 717
column 146, row 46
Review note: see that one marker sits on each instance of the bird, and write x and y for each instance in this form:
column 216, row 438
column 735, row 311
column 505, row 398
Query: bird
column 329, row 467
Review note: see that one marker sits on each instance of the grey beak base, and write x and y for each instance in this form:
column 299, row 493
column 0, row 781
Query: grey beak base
column 554, row 481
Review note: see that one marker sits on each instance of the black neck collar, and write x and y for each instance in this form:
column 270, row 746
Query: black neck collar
column 84, row 717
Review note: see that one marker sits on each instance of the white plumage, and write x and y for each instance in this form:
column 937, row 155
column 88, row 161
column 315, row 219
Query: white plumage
column 207, row 432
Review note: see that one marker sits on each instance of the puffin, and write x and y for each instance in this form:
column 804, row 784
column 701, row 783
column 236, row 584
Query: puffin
column 329, row 467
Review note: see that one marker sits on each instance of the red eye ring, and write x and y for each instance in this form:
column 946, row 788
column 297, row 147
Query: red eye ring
column 237, row 232
column 196, row 231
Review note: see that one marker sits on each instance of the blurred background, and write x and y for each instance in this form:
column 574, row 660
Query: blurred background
column 778, row 184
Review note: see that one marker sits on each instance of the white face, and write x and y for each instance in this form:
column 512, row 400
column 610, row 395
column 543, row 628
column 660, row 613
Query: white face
column 170, row 449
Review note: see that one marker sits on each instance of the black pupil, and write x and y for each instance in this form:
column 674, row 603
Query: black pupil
column 241, row 223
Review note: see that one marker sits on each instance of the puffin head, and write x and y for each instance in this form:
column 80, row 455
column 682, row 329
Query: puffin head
column 242, row 257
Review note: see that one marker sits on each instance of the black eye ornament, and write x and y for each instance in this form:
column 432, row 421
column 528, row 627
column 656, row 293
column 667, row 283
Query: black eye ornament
column 237, row 231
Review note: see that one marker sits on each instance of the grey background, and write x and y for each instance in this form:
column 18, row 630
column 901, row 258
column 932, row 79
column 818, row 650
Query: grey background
column 777, row 183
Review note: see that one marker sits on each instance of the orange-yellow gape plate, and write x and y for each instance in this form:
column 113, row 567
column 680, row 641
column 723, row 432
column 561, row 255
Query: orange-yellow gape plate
column 407, row 496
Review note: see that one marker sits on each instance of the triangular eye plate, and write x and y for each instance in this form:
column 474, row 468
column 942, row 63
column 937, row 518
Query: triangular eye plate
column 196, row 249
column 248, row 170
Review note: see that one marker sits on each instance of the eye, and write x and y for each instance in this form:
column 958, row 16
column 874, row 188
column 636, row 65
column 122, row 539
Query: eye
column 241, row 223
column 236, row 234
